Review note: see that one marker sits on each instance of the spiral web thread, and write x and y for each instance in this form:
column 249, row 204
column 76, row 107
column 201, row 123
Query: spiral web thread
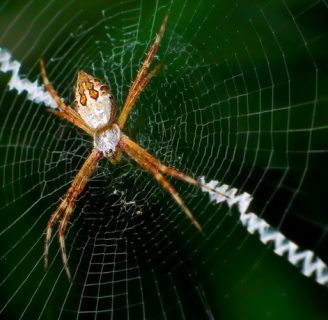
column 239, row 104
column 306, row 260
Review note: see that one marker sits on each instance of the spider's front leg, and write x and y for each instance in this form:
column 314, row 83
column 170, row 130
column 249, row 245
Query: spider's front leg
column 156, row 168
column 143, row 154
column 143, row 159
column 65, row 209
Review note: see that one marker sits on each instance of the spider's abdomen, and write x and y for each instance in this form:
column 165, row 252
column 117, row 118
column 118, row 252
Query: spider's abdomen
column 94, row 101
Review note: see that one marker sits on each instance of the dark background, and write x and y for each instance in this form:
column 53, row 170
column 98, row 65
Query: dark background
column 241, row 98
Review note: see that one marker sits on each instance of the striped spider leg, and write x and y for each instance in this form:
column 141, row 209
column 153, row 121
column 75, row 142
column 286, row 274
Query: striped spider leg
column 94, row 113
column 152, row 165
column 65, row 209
column 66, row 112
column 142, row 78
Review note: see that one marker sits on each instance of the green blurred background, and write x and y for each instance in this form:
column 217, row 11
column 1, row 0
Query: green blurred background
column 242, row 98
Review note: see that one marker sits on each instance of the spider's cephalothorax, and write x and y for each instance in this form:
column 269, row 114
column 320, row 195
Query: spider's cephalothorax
column 107, row 142
column 94, row 113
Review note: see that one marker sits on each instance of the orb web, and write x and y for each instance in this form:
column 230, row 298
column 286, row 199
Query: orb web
column 239, row 102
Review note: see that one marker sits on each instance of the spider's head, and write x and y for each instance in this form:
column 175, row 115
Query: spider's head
column 94, row 101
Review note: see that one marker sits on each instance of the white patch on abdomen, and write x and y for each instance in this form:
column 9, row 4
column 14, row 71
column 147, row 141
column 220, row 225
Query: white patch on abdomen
column 97, row 113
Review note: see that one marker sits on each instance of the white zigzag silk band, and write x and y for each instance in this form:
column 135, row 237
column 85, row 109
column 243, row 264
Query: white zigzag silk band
column 306, row 260
column 35, row 92
column 308, row 263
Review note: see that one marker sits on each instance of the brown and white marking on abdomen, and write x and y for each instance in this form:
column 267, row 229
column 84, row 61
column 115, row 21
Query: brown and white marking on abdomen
column 94, row 101
column 96, row 106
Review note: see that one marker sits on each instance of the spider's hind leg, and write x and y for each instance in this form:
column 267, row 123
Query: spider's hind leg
column 66, row 112
column 142, row 78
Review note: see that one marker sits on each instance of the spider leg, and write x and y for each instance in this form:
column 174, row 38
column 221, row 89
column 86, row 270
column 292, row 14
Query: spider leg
column 141, row 79
column 164, row 169
column 66, row 112
column 67, row 205
column 52, row 221
column 148, row 166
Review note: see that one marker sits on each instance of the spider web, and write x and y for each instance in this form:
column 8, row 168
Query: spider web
column 240, row 102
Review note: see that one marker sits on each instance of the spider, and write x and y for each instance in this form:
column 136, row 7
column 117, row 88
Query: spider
column 95, row 114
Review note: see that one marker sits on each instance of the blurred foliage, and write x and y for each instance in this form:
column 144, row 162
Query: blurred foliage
column 254, row 57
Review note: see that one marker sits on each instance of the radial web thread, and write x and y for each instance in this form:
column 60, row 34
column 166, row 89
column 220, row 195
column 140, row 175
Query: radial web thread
column 305, row 260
